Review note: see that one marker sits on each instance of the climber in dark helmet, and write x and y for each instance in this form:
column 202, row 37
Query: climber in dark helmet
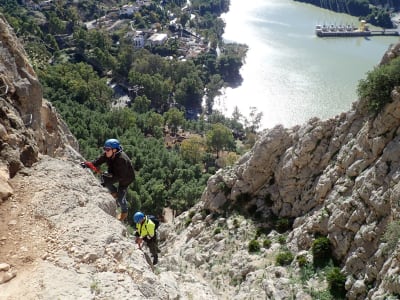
column 120, row 170
column 146, row 232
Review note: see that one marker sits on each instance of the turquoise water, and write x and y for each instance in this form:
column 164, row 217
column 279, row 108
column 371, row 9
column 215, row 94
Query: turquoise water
column 290, row 75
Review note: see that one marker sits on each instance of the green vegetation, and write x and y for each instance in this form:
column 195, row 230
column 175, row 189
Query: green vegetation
column 321, row 295
column 321, row 250
column 219, row 138
column 302, row 261
column 217, row 230
column 282, row 239
column 188, row 221
column 391, row 236
column 284, row 258
column 94, row 287
column 375, row 12
column 375, row 90
column 78, row 66
column 307, row 270
column 336, row 281
column 254, row 246
column 267, row 243
column 282, row 225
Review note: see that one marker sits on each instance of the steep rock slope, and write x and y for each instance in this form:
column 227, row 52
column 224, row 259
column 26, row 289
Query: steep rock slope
column 59, row 238
column 64, row 242
column 337, row 178
column 29, row 125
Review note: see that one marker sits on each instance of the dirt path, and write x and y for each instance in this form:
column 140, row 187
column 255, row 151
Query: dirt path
column 22, row 235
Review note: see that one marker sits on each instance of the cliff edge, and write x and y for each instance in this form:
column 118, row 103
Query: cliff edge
column 59, row 238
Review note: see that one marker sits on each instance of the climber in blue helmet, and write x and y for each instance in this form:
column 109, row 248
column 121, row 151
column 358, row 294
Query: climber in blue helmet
column 146, row 232
column 120, row 170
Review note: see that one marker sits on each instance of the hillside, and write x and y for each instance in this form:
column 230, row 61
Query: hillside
column 337, row 179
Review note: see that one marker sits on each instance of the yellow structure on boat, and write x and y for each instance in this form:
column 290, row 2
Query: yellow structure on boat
column 363, row 26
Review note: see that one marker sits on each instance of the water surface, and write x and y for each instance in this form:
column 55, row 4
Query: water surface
column 290, row 75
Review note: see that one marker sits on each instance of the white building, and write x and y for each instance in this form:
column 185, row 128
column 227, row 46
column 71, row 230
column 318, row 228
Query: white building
column 157, row 39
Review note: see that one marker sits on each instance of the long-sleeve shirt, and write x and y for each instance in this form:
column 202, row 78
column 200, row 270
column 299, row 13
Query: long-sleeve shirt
column 120, row 166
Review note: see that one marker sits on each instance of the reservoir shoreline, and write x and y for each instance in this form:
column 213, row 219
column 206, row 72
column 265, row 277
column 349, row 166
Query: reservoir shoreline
column 289, row 74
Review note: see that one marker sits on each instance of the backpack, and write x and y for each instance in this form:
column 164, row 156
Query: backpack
column 154, row 220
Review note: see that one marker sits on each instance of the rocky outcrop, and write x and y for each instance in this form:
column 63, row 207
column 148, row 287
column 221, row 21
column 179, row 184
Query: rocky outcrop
column 59, row 238
column 338, row 178
column 29, row 125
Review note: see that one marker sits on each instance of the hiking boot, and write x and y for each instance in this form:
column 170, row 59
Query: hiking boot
column 122, row 216
column 155, row 260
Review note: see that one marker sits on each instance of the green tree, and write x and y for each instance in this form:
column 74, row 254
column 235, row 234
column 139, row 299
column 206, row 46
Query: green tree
column 55, row 25
column 77, row 82
column 154, row 87
column 219, row 138
column 125, row 58
column 153, row 124
column 189, row 91
column 213, row 89
column 174, row 118
column 141, row 104
column 255, row 120
column 193, row 149
column 228, row 66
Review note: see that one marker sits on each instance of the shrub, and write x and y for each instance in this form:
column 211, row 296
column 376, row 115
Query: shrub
column 282, row 239
column 282, row 225
column 375, row 90
column 254, row 246
column 284, row 258
column 259, row 232
column 188, row 221
column 267, row 243
column 307, row 271
column 391, row 236
column 336, row 281
column 217, row 230
column 321, row 250
column 301, row 260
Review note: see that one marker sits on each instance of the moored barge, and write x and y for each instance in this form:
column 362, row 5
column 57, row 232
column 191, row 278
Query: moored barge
column 351, row 31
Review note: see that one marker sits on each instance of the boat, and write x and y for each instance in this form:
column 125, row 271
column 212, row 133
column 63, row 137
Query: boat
column 351, row 31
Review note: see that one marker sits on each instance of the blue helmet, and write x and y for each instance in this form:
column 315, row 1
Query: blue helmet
column 113, row 144
column 138, row 217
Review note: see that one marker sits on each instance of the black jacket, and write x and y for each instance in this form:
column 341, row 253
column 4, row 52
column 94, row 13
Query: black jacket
column 120, row 166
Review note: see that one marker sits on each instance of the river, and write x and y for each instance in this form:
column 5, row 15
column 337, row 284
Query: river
column 289, row 74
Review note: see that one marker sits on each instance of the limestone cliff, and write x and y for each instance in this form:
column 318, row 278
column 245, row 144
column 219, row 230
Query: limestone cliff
column 339, row 178
column 29, row 125
column 59, row 238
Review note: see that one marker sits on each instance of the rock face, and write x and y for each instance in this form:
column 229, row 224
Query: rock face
column 59, row 238
column 338, row 178
column 29, row 125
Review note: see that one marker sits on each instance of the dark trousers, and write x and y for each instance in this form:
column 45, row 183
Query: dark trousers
column 153, row 246
column 121, row 192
